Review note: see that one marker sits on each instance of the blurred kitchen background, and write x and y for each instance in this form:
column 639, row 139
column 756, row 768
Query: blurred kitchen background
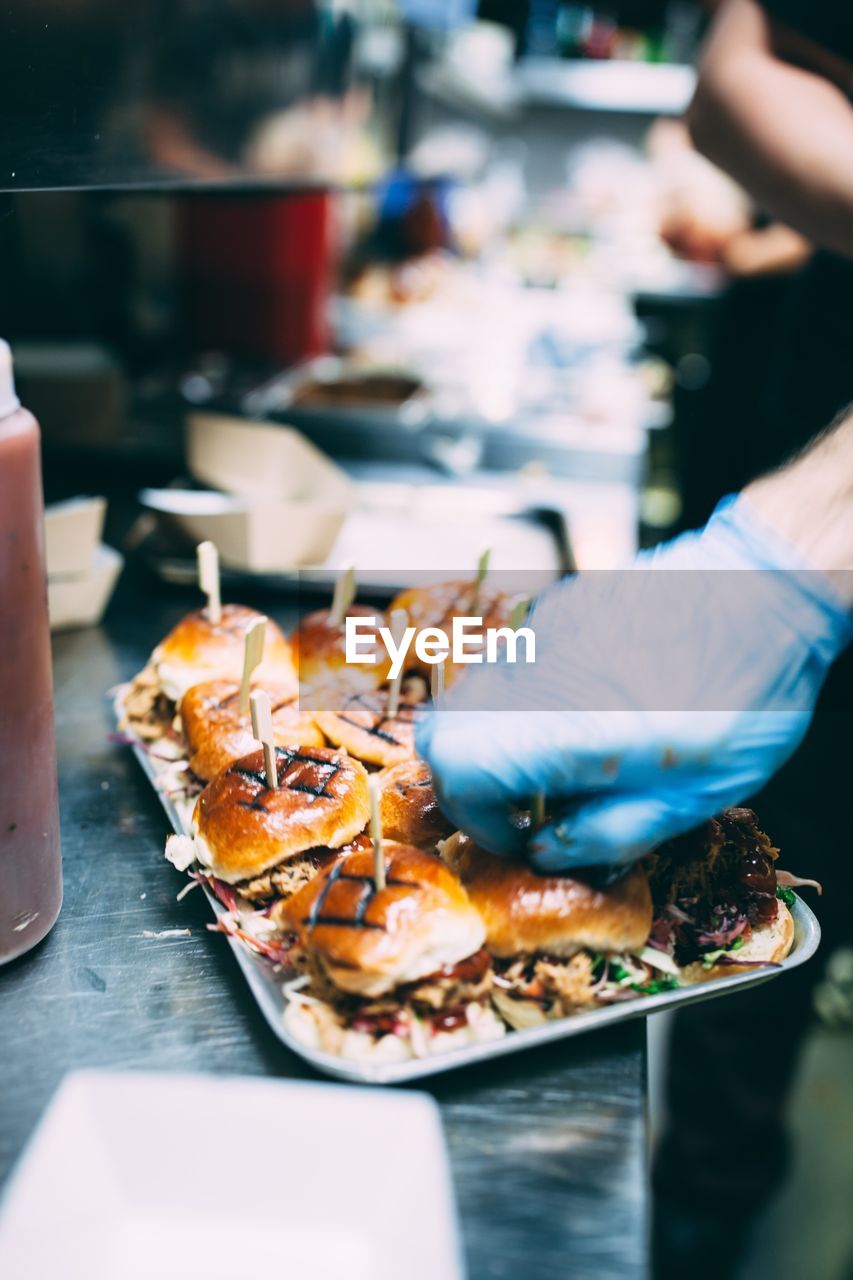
column 466, row 251
column 385, row 284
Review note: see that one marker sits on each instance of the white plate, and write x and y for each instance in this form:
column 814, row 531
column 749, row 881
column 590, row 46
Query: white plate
column 127, row 1178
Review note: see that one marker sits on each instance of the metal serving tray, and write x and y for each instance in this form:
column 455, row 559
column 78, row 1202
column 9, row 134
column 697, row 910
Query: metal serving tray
column 266, row 986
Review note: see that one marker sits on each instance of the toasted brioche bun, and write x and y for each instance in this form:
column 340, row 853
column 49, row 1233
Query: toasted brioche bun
column 243, row 828
column 408, row 806
column 768, row 943
column 366, row 941
column 525, row 912
column 438, row 604
column 319, row 650
column 360, row 726
column 217, row 733
column 198, row 650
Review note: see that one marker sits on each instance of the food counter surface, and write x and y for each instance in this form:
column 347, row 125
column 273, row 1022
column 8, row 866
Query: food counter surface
column 548, row 1149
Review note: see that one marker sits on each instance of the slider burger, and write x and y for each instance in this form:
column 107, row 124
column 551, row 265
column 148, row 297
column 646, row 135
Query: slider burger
column 395, row 972
column 267, row 842
column 560, row 944
column 408, row 806
column 438, row 604
column 363, row 728
column 217, row 732
column 319, row 650
column 720, row 904
column 195, row 651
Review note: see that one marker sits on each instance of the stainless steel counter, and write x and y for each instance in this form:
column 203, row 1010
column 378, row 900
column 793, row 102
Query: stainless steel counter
column 548, row 1149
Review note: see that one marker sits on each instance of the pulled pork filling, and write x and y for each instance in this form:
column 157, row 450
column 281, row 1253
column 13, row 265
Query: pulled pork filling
column 287, row 878
column 711, row 887
column 441, row 999
column 560, row 984
column 146, row 709
column 549, row 980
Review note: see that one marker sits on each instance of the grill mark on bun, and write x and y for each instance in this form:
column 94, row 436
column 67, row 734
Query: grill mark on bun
column 251, row 775
column 362, row 726
column 405, row 712
column 328, row 770
column 307, row 789
column 320, row 901
column 221, row 703
column 250, row 828
column 376, row 730
column 403, row 787
column 392, row 880
column 357, row 919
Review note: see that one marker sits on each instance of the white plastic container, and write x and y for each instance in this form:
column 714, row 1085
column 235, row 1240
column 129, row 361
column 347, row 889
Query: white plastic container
column 72, row 530
column 80, row 600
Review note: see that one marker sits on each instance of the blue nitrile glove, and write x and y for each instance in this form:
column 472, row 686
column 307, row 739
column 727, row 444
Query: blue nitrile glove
column 660, row 695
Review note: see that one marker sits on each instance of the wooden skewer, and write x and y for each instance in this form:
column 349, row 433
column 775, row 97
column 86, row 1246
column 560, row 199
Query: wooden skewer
column 376, row 831
column 482, row 570
column 259, row 701
column 208, row 579
column 343, row 597
column 253, row 651
column 399, row 621
column 436, row 681
column 537, row 810
column 519, row 614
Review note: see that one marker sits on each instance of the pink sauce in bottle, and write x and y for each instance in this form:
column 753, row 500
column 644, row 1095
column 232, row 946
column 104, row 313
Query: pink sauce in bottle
column 30, row 866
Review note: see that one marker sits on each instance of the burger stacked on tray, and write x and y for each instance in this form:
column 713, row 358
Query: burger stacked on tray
column 414, row 941
column 252, row 844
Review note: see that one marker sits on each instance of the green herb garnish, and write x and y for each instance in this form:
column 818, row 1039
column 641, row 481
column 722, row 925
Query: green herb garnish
column 664, row 983
column 787, row 895
column 710, row 958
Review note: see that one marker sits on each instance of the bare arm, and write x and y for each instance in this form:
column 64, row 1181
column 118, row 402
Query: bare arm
column 771, row 108
column 810, row 502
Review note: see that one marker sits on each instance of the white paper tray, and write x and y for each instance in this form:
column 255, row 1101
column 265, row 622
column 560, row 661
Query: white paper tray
column 266, row 986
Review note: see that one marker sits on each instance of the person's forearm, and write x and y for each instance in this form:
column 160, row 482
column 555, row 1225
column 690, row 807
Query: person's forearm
column 810, row 503
column 784, row 132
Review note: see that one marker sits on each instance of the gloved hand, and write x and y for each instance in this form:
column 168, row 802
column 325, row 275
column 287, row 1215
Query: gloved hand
column 660, row 695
